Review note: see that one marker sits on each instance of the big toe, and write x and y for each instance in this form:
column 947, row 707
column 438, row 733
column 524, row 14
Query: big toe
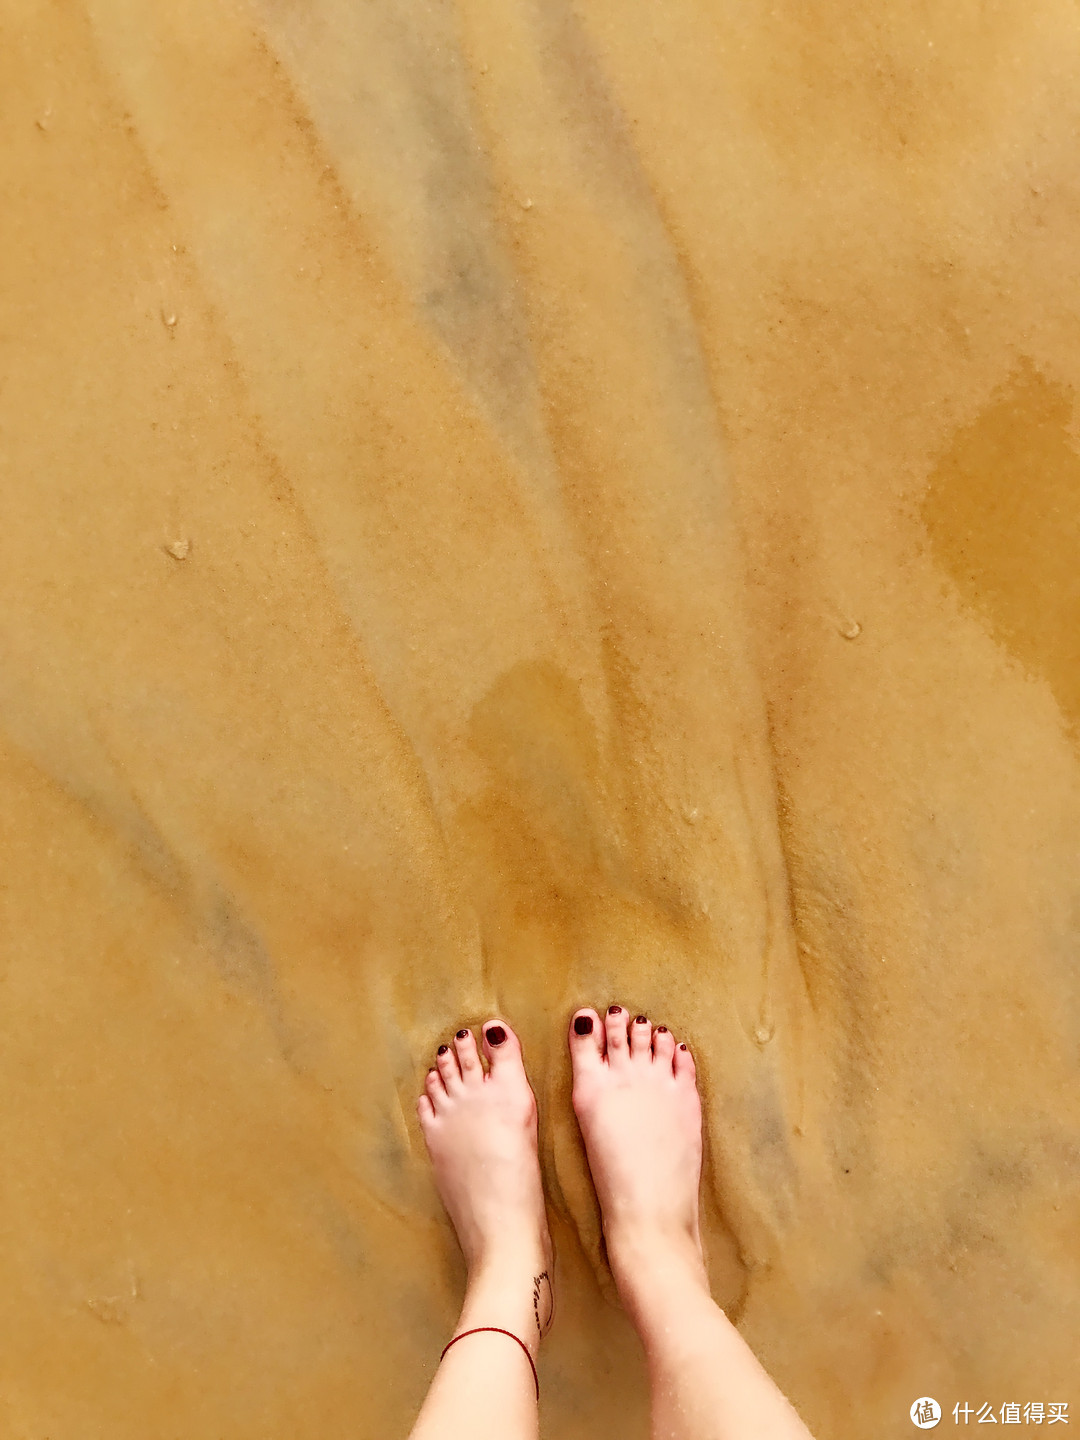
column 586, row 1040
column 502, row 1048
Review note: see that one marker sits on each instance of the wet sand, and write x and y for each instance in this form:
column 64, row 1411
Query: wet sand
column 510, row 506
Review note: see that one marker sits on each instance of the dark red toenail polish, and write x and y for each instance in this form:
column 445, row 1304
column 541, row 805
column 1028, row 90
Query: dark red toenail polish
column 614, row 1009
column 462, row 1034
column 583, row 1025
column 496, row 1035
column 661, row 1029
column 443, row 1049
column 682, row 1047
column 642, row 1020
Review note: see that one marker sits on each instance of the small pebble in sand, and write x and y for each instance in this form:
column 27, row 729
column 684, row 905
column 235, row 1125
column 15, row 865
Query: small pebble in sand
column 178, row 549
column 851, row 630
column 169, row 318
column 526, row 204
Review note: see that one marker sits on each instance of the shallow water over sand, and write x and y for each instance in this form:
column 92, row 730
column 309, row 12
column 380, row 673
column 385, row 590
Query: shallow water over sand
column 509, row 506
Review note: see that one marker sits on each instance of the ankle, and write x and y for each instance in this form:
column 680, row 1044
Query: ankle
column 509, row 1258
column 643, row 1258
column 512, row 1288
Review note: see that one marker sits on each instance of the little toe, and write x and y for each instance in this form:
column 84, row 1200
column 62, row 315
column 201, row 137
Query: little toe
column 663, row 1046
column 435, row 1090
column 640, row 1037
column 472, row 1072
column 618, row 1049
column 586, row 1040
column 684, row 1064
column 501, row 1046
column 446, row 1060
column 425, row 1110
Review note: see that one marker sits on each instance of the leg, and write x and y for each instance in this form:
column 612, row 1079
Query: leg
column 637, row 1103
column 480, row 1131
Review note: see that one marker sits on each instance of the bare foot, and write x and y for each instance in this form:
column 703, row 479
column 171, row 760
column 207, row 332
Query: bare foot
column 480, row 1131
column 636, row 1099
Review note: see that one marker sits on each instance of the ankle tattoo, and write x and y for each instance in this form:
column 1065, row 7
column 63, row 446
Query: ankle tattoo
column 539, row 1283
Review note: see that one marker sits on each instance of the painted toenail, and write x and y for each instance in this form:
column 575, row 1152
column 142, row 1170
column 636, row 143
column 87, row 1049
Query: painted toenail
column 642, row 1020
column 614, row 1009
column 443, row 1049
column 661, row 1029
column 496, row 1035
column 682, row 1047
column 583, row 1025
column 461, row 1034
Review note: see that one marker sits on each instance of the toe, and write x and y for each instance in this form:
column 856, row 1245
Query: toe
column 684, row 1064
column 447, row 1063
column 434, row 1090
column 425, row 1110
column 468, row 1058
column 501, row 1046
column 640, row 1037
column 663, row 1046
column 618, row 1049
column 586, row 1040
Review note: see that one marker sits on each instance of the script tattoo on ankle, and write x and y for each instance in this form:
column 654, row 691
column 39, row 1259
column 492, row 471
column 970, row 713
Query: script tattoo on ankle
column 537, row 1281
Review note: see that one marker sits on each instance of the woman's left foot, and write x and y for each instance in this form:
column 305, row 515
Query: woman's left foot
column 480, row 1130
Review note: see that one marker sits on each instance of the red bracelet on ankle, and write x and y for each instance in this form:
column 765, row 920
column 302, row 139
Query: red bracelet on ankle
column 500, row 1331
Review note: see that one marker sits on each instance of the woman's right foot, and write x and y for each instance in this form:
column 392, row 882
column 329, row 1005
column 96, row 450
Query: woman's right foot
column 636, row 1099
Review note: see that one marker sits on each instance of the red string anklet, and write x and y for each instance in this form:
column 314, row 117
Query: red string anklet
column 499, row 1331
